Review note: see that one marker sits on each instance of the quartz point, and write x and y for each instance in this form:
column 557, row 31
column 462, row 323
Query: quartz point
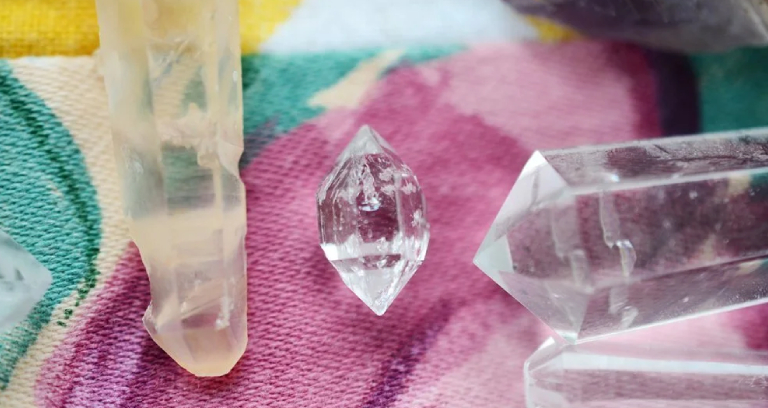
column 604, row 374
column 172, row 73
column 604, row 239
column 23, row 282
column 372, row 218
column 679, row 25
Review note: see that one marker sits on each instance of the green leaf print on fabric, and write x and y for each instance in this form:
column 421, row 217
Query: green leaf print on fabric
column 47, row 204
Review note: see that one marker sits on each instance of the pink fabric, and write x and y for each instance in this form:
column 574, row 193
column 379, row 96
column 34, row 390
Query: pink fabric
column 465, row 125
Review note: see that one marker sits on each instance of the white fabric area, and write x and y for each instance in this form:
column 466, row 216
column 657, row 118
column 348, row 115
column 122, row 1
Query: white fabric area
column 320, row 25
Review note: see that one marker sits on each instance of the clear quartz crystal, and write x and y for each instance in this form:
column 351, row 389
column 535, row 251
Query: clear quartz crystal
column 603, row 239
column 611, row 375
column 372, row 220
column 681, row 25
column 23, row 282
column 172, row 73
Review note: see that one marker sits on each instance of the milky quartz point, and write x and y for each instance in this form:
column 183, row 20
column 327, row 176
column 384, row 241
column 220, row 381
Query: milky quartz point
column 23, row 282
column 372, row 219
column 603, row 239
column 606, row 375
column 172, row 74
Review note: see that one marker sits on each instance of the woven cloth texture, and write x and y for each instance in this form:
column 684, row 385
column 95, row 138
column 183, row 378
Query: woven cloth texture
column 464, row 118
column 69, row 27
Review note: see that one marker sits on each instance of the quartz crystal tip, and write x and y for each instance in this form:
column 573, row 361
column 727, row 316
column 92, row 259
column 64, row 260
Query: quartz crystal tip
column 172, row 72
column 23, row 282
column 599, row 240
column 622, row 374
column 207, row 333
column 372, row 220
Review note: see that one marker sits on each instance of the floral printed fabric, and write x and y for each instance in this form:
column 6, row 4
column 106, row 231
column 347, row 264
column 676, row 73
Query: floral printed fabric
column 465, row 119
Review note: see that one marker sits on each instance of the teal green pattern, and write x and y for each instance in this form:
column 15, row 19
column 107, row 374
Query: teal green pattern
column 733, row 88
column 47, row 204
column 277, row 88
column 416, row 56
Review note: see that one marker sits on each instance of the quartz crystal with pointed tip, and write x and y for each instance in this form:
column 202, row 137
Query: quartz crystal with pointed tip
column 172, row 74
column 372, row 220
column 679, row 25
column 599, row 240
column 604, row 374
column 23, row 282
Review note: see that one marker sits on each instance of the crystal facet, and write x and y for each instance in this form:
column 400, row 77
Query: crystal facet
column 172, row 73
column 23, row 282
column 681, row 25
column 373, row 220
column 599, row 374
column 604, row 239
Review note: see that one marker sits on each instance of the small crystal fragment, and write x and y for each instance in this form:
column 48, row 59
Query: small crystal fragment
column 172, row 74
column 23, row 282
column 600, row 374
column 372, row 220
column 603, row 239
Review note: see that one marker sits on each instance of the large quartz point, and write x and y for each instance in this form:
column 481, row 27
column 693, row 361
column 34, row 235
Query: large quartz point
column 606, row 375
column 172, row 73
column 602, row 239
column 373, row 220
column 679, row 25
column 23, row 282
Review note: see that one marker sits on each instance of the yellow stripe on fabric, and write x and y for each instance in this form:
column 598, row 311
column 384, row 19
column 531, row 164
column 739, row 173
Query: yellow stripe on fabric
column 552, row 32
column 260, row 18
column 47, row 27
column 69, row 27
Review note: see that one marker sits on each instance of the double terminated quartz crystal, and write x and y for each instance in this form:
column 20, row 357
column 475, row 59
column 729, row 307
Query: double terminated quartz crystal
column 172, row 73
column 604, row 239
column 23, row 282
column 372, row 220
column 599, row 374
